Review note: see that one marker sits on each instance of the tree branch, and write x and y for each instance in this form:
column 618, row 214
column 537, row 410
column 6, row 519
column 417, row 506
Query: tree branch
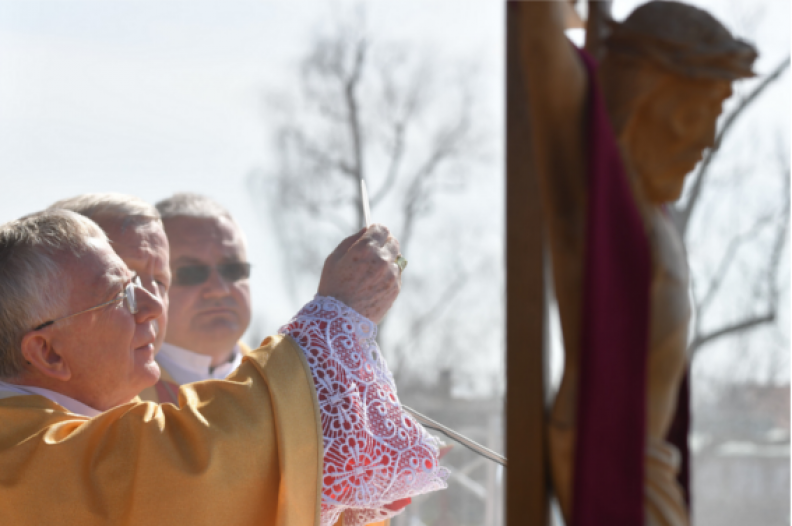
column 420, row 323
column 447, row 143
column 734, row 328
column 770, row 272
column 778, row 247
column 322, row 157
column 682, row 214
column 397, row 150
column 400, row 123
column 350, row 98
column 728, row 258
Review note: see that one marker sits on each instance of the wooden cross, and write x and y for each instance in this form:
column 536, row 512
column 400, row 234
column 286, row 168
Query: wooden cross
column 527, row 356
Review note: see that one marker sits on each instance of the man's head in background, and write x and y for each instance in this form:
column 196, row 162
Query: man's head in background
column 72, row 318
column 210, row 297
column 135, row 232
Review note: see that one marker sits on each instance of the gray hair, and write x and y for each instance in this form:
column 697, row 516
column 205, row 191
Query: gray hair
column 132, row 210
column 187, row 204
column 32, row 286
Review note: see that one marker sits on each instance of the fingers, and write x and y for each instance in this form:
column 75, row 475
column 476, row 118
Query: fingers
column 387, row 247
column 362, row 272
column 393, row 248
column 378, row 234
column 346, row 244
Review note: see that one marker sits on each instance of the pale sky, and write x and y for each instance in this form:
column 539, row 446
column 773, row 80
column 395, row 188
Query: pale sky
column 154, row 97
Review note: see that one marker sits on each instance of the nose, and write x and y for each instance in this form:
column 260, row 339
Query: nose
column 150, row 284
column 149, row 305
column 216, row 286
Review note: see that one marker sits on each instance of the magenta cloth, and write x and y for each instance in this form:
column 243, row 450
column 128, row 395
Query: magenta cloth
column 609, row 467
column 678, row 436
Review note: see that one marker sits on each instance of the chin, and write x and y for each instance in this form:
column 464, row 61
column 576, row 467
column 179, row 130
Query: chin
column 221, row 328
column 667, row 188
column 672, row 194
column 146, row 374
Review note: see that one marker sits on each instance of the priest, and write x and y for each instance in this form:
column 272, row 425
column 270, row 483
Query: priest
column 308, row 427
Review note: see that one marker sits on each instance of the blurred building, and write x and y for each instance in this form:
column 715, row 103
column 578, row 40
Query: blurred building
column 740, row 446
column 475, row 488
column 741, row 471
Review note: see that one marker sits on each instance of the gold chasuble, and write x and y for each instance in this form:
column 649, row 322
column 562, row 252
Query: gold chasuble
column 167, row 388
column 242, row 451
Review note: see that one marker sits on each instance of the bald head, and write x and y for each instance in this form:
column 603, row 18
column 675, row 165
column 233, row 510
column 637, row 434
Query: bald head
column 210, row 297
column 136, row 234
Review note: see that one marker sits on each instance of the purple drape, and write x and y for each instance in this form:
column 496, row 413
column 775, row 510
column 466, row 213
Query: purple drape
column 609, row 467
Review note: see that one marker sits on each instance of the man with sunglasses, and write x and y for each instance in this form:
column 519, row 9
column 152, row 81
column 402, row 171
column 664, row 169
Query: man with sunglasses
column 306, row 428
column 209, row 298
column 202, row 231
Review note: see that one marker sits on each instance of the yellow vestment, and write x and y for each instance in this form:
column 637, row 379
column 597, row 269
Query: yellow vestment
column 246, row 450
column 167, row 388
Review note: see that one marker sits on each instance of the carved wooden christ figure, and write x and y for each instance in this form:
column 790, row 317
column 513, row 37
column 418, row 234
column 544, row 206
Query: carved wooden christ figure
column 612, row 147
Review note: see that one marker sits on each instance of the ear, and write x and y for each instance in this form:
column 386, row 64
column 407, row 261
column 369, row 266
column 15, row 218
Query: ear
column 43, row 357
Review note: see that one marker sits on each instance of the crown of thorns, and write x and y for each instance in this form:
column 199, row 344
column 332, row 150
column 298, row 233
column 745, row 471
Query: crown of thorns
column 682, row 39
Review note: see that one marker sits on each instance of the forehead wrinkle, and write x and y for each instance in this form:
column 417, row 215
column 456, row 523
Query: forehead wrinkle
column 112, row 278
column 209, row 251
column 138, row 253
column 190, row 260
column 143, row 247
column 199, row 231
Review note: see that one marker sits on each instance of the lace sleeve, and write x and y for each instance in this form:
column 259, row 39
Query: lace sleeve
column 374, row 453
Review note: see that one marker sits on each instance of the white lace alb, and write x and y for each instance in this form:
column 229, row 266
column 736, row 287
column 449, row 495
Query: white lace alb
column 374, row 453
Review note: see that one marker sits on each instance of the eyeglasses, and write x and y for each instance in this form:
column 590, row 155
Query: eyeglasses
column 128, row 295
column 190, row 275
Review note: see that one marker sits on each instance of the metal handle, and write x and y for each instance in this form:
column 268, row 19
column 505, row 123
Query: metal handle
column 462, row 439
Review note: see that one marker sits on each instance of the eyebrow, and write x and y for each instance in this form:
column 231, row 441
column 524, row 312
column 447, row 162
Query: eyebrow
column 116, row 281
column 188, row 259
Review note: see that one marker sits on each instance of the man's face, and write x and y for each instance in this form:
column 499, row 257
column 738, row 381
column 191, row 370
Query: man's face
column 109, row 351
column 672, row 130
column 208, row 317
column 144, row 249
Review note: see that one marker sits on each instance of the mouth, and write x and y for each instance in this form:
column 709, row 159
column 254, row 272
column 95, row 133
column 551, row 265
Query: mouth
column 217, row 310
column 149, row 340
column 147, row 348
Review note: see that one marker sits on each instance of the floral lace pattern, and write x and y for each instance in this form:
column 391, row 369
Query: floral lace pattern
column 374, row 453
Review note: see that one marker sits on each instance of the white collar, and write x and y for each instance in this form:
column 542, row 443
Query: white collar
column 70, row 404
column 187, row 366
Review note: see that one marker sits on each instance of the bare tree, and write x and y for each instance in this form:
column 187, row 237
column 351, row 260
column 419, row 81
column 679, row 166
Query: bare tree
column 391, row 114
column 769, row 228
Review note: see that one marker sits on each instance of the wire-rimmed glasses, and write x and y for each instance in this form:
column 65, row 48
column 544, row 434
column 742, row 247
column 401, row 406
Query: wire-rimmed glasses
column 128, row 295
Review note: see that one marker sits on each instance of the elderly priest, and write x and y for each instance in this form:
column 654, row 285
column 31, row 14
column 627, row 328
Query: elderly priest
column 307, row 429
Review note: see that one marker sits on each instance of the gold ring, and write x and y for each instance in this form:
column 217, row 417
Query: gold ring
column 401, row 262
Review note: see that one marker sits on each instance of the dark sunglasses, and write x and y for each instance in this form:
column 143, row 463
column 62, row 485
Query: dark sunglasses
column 189, row 275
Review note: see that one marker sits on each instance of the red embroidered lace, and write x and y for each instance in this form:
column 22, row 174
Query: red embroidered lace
column 374, row 453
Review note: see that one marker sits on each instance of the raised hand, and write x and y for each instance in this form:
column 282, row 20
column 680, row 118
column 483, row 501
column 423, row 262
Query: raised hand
column 362, row 272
